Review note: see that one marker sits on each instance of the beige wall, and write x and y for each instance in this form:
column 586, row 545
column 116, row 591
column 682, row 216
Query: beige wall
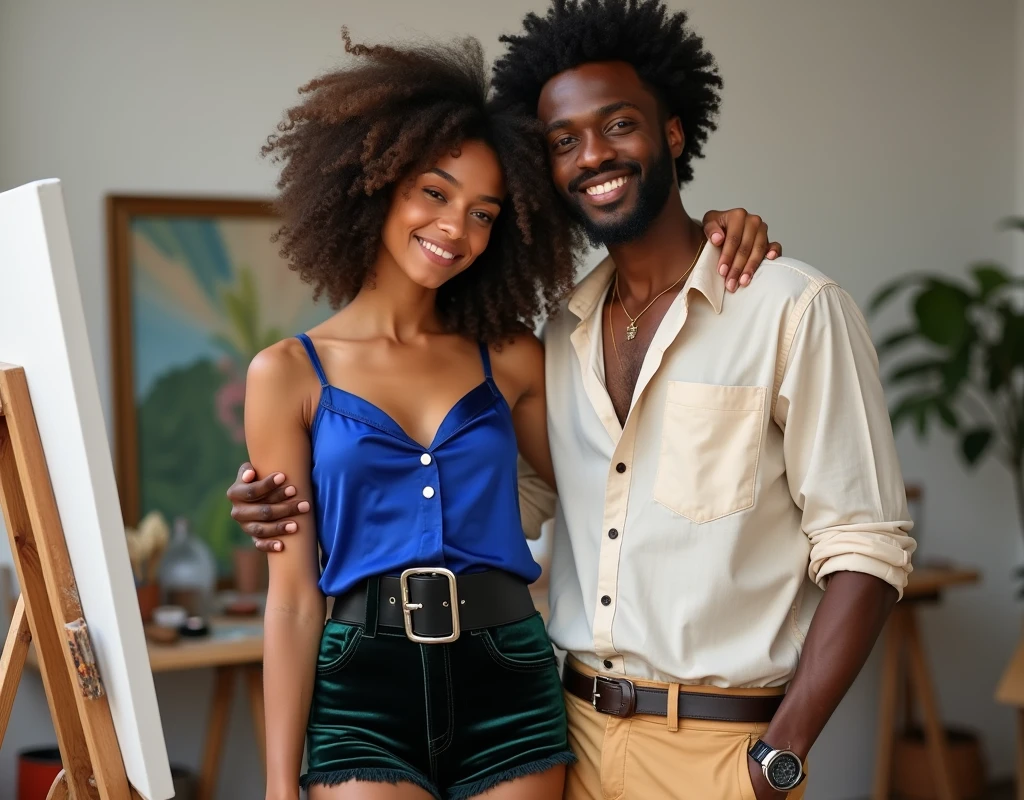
column 875, row 137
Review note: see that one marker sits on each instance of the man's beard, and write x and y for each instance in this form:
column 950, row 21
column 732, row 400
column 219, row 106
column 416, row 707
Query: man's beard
column 653, row 191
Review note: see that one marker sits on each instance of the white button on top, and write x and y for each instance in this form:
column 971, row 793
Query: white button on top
column 425, row 459
column 428, row 492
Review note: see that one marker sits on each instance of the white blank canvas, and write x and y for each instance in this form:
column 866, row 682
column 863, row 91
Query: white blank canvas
column 42, row 328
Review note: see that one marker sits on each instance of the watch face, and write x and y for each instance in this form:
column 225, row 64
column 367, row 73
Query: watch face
column 784, row 771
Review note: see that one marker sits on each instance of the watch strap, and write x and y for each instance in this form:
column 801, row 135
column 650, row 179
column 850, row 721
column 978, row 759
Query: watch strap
column 759, row 751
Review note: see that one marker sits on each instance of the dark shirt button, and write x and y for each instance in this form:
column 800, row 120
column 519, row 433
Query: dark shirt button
column 620, row 467
column 613, row 534
column 606, row 601
column 607, row 664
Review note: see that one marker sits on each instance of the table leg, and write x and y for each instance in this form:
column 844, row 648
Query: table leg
column 216, row 729
column 1020, row 754
column 887, row 705
column 935, row 735
column 254, row 679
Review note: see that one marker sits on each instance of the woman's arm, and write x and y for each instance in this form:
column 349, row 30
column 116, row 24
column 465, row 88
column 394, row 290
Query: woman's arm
column 278, row 408
column 522, row 361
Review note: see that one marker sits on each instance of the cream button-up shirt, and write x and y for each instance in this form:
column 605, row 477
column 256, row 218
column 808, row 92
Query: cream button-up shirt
column 692, row 545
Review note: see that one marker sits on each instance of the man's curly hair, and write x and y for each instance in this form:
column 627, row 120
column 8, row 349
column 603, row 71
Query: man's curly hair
column 363, row 131
column 667, row 55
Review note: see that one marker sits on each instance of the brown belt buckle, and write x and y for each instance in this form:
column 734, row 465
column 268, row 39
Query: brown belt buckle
column 627, row 692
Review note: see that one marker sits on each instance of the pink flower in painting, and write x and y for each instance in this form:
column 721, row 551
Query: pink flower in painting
column 230, row 400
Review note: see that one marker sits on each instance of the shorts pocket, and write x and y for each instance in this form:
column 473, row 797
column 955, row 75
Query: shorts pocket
column 520, row 646
column 338, row 644
column 710, row 444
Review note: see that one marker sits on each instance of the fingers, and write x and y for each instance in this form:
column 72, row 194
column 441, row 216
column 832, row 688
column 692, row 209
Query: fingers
column 279, row 495
column 758, row 250
column 268, row 512
column 245, row 473
column 265, row 534
column 774, row 251
column 713, row 229
column 749, row 254
column 243, row 491
column 739, row 236
column 269, row 545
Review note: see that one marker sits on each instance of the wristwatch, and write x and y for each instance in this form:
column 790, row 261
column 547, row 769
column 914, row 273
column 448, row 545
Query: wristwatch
column 782, row 768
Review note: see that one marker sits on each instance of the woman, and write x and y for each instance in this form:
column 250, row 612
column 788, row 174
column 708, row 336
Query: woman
column 432, row 218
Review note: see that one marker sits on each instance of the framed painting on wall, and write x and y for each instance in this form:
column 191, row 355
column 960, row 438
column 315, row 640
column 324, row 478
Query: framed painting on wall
column 197, row 289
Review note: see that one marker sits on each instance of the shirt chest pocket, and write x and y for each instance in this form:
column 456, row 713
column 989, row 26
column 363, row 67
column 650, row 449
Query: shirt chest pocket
column 710, row 443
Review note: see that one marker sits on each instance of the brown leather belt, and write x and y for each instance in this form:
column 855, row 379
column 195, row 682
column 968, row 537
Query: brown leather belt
column 621, row 698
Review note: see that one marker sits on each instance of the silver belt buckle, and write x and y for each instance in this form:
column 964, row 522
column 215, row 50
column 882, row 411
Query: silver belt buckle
column 408, row 606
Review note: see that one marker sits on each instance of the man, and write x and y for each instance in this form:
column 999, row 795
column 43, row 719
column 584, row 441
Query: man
column 732, row 530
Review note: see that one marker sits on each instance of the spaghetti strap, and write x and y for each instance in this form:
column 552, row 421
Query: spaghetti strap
column 486, row 358
column 313, row 357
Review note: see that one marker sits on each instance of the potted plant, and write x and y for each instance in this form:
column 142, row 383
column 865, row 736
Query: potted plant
column 963, row 362
column 961, row 366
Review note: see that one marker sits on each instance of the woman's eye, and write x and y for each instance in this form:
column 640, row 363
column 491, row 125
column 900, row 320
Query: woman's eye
column 483, row 216
column 434, row 194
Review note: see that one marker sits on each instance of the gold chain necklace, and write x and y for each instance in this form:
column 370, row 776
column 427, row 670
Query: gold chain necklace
column 611, row 335
column 631, row 329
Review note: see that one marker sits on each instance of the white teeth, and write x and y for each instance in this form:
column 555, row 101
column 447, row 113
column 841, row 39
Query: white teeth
column 606, row 187
column 433, row 248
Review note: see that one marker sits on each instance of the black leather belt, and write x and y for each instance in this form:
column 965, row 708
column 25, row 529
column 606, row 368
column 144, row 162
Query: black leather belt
column 434, row 606
column 621, row 698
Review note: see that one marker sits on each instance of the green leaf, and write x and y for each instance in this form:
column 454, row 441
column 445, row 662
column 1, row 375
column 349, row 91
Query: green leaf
column 974, row 444
column 998, row 362
column 889, row 290
column 989, row 278
column 918, row 369
column 941, row 312
column 921, row 418
column 910, row 408
column 955, row 372
column 1012, row 223
column 947, row 415
column 894, row 340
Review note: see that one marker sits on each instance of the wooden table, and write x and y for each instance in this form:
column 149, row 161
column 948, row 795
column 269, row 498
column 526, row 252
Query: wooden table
column 903, row 641
column 234, row 648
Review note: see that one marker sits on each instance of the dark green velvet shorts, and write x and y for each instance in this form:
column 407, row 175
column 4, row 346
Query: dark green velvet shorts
column 454, row 719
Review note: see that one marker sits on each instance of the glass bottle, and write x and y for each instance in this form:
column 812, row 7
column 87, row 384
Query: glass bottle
column 188, row 572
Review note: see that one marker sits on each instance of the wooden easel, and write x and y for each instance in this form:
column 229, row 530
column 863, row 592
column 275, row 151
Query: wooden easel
column 49, row 613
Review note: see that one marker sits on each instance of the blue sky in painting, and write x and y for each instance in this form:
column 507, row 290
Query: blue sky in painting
column 164, row 343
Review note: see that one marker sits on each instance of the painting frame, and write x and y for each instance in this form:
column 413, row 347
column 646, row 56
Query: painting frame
column 121, row 209
column 207, row 270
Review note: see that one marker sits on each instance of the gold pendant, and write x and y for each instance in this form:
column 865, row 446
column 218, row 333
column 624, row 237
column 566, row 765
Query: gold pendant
column 630, row 332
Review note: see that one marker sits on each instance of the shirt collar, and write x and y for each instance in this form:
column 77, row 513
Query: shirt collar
column 704, row 278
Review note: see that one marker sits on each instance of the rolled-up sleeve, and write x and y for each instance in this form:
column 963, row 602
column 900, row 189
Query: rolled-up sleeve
column 536, row 500
column 841, row 459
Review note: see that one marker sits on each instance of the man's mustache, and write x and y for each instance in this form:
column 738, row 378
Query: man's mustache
column 632, row 167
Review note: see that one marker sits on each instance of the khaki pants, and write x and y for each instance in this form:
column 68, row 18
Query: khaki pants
column 654, row 758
